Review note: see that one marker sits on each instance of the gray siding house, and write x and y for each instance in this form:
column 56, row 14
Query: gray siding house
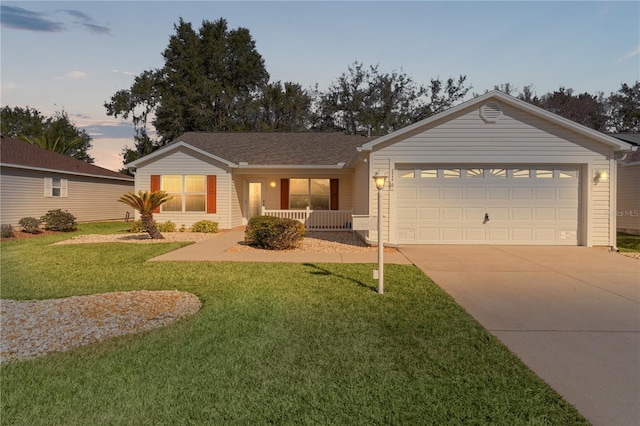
column 34, row 181
column 492, row 170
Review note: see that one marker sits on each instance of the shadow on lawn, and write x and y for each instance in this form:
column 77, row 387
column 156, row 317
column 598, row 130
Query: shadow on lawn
column 317, row 270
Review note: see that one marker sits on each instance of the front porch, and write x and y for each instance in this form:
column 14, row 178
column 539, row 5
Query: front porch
column 316, row 220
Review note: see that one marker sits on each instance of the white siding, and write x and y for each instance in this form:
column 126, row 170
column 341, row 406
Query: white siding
column 89, row 199
column 183, row 162
column 237, row 191
column 628, row 208
column 516, row 138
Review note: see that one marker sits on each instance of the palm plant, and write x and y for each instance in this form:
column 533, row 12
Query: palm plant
column 146, row 202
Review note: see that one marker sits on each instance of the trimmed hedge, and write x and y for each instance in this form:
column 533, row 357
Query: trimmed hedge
column 205, row 226
column 58, row 220
column 274, row 233
column 30, row 225
column 168, row 226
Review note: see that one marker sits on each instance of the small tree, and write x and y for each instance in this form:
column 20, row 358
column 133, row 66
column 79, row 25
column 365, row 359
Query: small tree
column 146, row 202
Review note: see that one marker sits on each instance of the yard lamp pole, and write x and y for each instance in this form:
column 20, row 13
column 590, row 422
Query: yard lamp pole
column 379, row 180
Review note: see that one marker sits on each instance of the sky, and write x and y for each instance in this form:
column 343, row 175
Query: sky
column 75, row 55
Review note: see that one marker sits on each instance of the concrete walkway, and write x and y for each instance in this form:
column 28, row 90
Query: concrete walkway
column 572, row 314
column 214, row 250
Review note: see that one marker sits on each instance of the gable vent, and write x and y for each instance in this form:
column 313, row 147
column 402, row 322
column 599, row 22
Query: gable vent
column 490, row 112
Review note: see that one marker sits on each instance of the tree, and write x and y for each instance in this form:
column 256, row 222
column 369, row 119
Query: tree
column 586, row 109
column 624, row 109
column 368, row 101
column 56, row 133
column 145, row 203
column 208, row 82
column 282, row 108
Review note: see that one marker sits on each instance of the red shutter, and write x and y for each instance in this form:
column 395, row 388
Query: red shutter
column 155, row 186
column 284, row 194
column 211, row 194
column 334, row 194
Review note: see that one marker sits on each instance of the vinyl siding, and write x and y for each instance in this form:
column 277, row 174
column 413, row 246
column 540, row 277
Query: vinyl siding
column 236, row 201
column 187, row 162
column 89, row 199
column 516, row 138
column 628, row 200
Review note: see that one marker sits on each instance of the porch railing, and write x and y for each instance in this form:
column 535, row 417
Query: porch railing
column 316, row 220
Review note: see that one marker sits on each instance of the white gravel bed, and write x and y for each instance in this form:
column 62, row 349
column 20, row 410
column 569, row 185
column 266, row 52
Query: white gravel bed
column 35, row 328
column 137, row 238
column 321, row 242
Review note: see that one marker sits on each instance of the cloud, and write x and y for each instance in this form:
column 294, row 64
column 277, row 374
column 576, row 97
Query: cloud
column 23, row 19
column 72, row 75
column 19, row 18
column 87, row 22
column 124, row 72
column 635, row 52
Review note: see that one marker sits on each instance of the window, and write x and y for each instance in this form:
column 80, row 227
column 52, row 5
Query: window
column 188, row 192
column 544, row 174
column 451, row 173
column 55, row 187
column 566, row 174
column 408, row 175
column 498, row 173
column 429, row 173
column 312, row 193
column 475, row 173
column 521, row 173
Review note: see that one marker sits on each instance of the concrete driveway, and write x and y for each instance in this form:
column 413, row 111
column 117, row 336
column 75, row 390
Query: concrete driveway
column 572, row 314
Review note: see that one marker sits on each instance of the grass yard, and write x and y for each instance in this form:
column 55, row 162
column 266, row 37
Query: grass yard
column 628, row 242
column 273, row 344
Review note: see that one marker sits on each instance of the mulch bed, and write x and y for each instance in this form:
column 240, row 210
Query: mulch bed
column 20, row 235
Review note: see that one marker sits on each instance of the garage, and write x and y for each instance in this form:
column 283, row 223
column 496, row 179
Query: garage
column 532, row 205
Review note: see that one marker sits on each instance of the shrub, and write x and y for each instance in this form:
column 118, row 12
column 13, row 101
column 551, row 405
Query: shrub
column 168, row 226
column 205, row 226
column 6, row 231
column 137, row 227
column 183, row 228
column 58, row 220
column 30, row 225
column 274, row 233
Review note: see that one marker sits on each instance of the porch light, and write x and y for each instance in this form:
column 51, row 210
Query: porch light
column 599, row 175
column 272, row 184
column 380, row 180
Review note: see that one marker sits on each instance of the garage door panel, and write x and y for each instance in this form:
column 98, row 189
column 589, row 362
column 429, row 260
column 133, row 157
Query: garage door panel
column 452, row 193
column 523, row 208
column 475, row 193
column 499, row 193
column 429, row 213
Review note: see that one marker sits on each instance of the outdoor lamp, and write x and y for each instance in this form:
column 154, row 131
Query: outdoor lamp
column 379, row 180
column 599, row 175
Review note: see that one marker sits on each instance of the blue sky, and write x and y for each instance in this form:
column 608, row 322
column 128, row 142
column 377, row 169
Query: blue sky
column 75, row 55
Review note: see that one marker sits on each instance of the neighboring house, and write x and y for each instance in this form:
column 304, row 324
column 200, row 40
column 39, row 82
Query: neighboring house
column 628, row 201
column 493, row 170
column 34, row 181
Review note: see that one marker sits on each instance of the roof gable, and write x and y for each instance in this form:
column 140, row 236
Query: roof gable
column 17, row 153
column 482, row 101
column 260, row 149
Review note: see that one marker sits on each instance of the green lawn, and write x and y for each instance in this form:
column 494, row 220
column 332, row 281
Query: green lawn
column 273, row 344
column 628, row 242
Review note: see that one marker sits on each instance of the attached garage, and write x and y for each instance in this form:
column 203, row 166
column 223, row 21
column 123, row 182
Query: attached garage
column 495, row 170
column 487, row 204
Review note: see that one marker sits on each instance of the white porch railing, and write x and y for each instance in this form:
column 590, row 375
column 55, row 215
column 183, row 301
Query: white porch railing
column 316, row 220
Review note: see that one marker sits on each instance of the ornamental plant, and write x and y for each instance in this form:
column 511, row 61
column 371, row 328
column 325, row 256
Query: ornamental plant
column 146, row 202
column 30, row 225
column 206, row 226
column 273, row 233
column 58, row 220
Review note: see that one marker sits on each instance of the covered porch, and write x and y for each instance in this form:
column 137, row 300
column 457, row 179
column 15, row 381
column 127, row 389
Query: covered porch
column 316, row 220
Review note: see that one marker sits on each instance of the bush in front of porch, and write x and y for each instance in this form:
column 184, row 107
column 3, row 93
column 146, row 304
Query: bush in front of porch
column 273, row 233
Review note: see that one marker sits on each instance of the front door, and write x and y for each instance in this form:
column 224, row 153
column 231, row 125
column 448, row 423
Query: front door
column 255, row 200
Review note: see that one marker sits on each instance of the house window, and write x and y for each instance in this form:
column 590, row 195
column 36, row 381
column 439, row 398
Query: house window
column 188, row 191
column 55, row 187
column 312, row 193
column 429, row 173
column 475, row 173
column 451, row 173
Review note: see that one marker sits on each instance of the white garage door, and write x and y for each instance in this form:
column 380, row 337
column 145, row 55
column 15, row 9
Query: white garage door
column 487, row 205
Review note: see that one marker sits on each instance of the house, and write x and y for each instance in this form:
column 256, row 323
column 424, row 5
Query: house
column 493, row 170
column 34, row 181
column 628, row 196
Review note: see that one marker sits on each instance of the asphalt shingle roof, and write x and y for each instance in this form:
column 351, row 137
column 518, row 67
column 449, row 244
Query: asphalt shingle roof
column 19, row 153
column 268, row 149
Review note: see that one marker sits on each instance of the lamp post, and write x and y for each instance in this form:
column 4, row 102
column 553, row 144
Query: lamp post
column 380, row 180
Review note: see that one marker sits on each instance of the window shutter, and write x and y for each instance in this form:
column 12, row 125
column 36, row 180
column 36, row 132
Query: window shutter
column 284, row 194
column 211, row 193
column 155, row 186
column 63, row 187
column 334, row 194
column 48, row 184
